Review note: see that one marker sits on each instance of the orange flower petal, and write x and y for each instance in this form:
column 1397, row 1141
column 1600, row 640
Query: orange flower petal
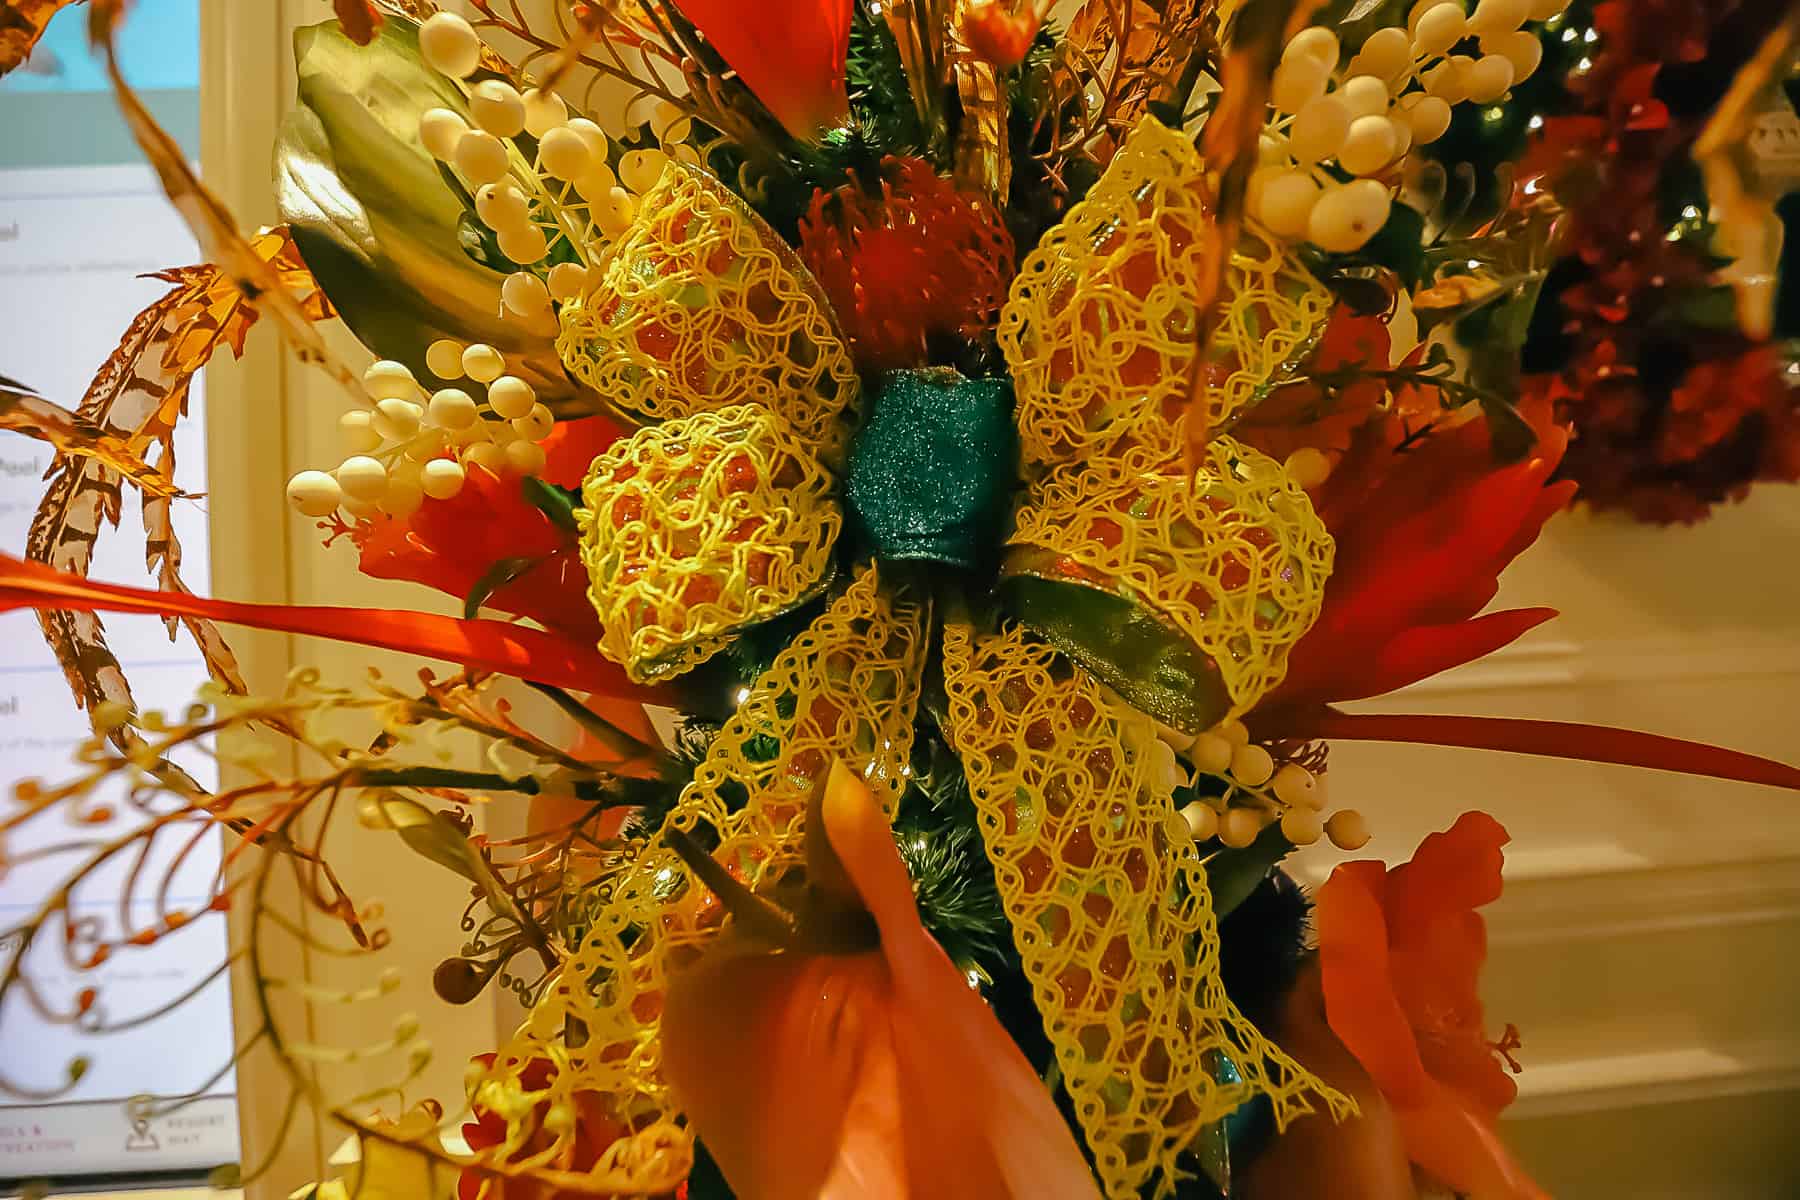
column 1360, row 1001
column 1457, row 1146
column 864, row 1075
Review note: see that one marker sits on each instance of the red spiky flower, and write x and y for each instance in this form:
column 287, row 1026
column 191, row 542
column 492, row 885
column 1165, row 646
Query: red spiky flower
column 906, row 259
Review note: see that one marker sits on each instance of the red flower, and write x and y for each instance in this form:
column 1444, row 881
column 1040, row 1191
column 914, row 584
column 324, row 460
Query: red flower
column 790, row 53
column 1422, row 535
column 449, row 545
column 917, row 259
column 1400, row 954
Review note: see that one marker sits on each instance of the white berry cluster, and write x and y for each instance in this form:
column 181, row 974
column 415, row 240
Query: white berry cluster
column 1258, row 793
column 1362, row 118
column 569, row 189
column 412, row 446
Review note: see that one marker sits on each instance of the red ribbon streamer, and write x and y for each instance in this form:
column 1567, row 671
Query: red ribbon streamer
column 1549, row 739
column 488, row 645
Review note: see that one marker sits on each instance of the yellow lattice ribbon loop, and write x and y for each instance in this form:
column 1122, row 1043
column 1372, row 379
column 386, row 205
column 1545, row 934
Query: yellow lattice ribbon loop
column 847, row 688
column 702, row 305
column 1111, row 914
column 697, row 527
column 1100, row 326
column 1205, row 582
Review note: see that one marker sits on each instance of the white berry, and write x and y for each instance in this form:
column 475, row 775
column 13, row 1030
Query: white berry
column 362, row 478
column 440, row 129
column 358, row 432
column 483, row 364
column 497, row 108
column 544, row 111
column 640, row 169
column 1239, row 827
column 1365, row 95
column 1387, row 53
column 486, row 455
column 1348, row 215
column 443, row 358
column 1301, row 826
column 481, row 157
column 1369, row 146
column 1319, row 129
column 1315, row 42
column 524, row 245
column 1439, row 29
column 397, row 420
column 564, row 153
column 442, row 478
column 389, row 380
column 314, row 493
column 452, row 408
column 523, row 457
column 450, row 44
column 1252, row 765
column 613, row 214
column 1297, row 83
column 1489, row 78
column 1499, row 16
column 597, row 183
column 501, row 206
column 403, row 497
column 511, row 397
column 1202, row 820
column 1347, row 829
column 525, row 294
column 535, row 425
column 593, row 135
column 567, row 281
column 1285, row 201
column 1521, row 49
column 1427, row 116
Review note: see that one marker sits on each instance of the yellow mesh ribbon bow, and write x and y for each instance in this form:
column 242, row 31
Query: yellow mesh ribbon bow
column 1100, row 327
column 704, row 323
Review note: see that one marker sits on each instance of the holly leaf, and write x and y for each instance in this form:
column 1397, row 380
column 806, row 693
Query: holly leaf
column 556, row 502
column 496, row 577
column 1231, row 875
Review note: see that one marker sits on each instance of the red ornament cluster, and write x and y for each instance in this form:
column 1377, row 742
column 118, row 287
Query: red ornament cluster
column 907, row 259
column 1673, row 411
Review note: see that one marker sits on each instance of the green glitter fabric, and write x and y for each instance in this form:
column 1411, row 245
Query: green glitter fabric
column 933, row 470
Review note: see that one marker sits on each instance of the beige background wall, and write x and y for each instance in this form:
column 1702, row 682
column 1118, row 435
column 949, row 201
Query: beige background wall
column 1647, row 945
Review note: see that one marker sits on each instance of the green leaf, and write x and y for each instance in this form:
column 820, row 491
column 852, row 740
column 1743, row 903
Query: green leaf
column 1233, row 874
column 497, row 577
column 556, row 502
column 381, row 224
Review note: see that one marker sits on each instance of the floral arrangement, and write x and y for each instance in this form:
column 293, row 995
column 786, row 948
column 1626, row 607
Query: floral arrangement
column 932, row 475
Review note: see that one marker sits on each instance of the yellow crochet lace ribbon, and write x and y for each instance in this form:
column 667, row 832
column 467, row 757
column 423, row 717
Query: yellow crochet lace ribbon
column 1235, row 559
column 846, row 688
column 1109, row 908
column 697, row 527
column 702, row 305
column 1099, row 329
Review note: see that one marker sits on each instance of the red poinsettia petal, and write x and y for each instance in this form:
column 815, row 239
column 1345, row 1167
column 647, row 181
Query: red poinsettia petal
column 790, row 53
column 486, row 645
column 1407, row 658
